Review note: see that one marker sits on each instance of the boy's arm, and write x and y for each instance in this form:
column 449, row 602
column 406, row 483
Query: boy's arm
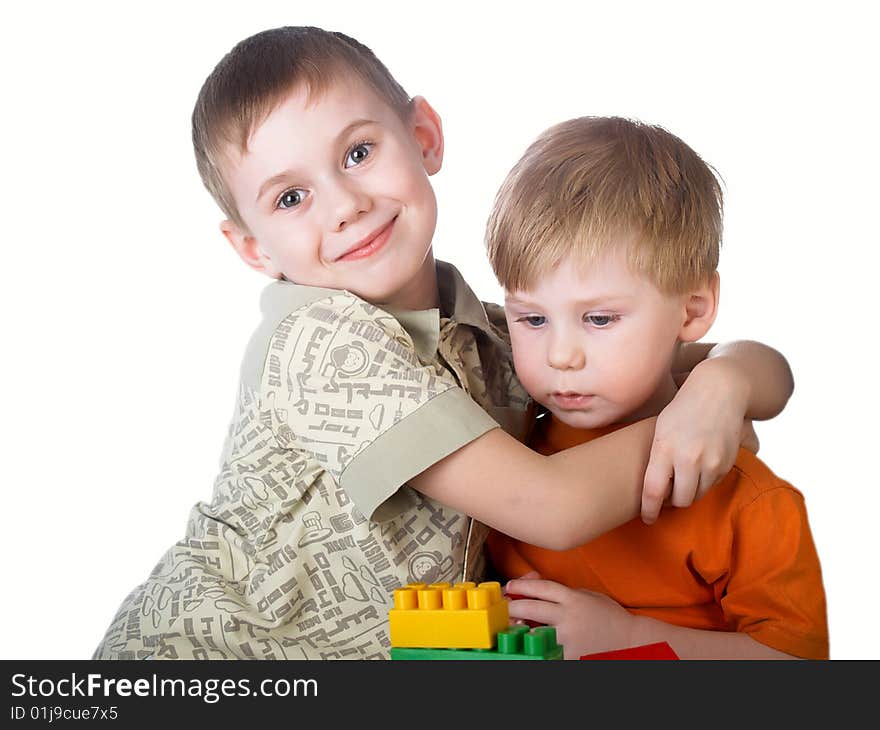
column 699, row 644
column 403, row 422
column 570, row 498
column 588, row 622
column 759, row 371
column 557, row 501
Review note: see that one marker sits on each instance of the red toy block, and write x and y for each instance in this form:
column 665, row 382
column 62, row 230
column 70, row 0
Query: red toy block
column 660, row 650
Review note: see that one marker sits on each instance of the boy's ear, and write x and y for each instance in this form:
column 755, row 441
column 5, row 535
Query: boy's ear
column 248, row 249
column 701, row 308
column 428, row 131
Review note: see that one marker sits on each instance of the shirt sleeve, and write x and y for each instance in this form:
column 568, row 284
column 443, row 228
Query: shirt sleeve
column 775, row 592
column 342, row 383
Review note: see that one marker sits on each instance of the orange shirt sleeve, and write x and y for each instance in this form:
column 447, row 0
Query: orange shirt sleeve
column 775, row 591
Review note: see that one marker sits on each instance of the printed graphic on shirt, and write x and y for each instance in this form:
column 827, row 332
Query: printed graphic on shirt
column 280, row 564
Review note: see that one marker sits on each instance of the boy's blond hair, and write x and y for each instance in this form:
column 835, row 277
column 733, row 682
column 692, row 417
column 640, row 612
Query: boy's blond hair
column 595, row 182
column 257, row 74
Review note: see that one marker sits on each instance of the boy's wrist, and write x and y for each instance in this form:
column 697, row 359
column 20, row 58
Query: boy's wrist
column 726, row 377
column 642, row 631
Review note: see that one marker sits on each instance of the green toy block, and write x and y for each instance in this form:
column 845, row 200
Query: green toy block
column 517, row 643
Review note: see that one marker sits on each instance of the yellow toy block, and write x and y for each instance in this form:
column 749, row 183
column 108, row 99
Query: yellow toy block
column 441, row 616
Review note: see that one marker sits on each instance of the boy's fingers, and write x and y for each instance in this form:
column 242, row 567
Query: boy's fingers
column 545, row 590
column 511, row 596
column 706, row 483
column 685, row 484
column 658, row 477
column 542, row 612
column 749, row 437
column 531, row 575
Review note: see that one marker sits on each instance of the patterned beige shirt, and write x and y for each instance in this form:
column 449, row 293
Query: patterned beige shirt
column 311, row 526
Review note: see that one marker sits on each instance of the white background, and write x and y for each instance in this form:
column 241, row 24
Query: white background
column 125, row 313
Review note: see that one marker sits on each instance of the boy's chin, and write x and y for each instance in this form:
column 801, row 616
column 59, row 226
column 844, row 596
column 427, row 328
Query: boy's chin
column 584, row 419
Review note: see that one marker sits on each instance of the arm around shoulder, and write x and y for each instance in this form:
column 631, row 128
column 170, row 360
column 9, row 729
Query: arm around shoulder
column 761, row 373
column 556, row 502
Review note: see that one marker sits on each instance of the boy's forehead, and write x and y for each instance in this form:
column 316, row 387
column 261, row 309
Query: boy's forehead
column 605, row 277
column 321, row 113
column 304, row 120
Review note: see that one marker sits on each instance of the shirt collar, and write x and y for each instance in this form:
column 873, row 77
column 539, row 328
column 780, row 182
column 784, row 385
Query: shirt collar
column 457, row 301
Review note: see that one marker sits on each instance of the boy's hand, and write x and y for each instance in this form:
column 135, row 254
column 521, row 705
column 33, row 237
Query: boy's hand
column 748, row 437
column 697, row 437
column 585, row 622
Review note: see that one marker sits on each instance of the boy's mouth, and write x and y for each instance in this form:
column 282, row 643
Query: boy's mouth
column 369, row 244
column 569, row 400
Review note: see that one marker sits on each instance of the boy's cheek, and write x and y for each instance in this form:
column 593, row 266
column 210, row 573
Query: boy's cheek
column 530, row 375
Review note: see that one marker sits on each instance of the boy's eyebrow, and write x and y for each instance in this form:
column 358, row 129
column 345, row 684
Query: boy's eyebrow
column 281, row 176
column 588, row 302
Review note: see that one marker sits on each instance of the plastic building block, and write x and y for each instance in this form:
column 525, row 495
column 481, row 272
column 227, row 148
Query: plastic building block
column 516, row 642
column 660, row 650
column 463, row 616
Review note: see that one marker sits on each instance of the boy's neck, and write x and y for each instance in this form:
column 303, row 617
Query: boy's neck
column 661, row 398
column 421, row 291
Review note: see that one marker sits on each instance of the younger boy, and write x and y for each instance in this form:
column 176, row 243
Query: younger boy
column 606, row 237
column 366, row 426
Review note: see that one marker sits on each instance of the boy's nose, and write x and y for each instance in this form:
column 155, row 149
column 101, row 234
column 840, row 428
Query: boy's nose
column 565, row 354
column 348, row 204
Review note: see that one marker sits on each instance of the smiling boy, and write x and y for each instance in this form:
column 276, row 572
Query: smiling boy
column 366, row 430
column 608, row 270
column 371, row 233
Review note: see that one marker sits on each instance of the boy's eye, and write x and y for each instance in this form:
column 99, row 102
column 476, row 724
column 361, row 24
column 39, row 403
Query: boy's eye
column 599, row 320
column 358, row 154
column 533, row 320
column 291, row 198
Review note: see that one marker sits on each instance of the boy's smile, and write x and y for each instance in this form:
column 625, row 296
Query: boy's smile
column 595, row 345
column 335, row 193
column 368, row 245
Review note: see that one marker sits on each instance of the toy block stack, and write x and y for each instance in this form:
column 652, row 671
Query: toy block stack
column 463, row 621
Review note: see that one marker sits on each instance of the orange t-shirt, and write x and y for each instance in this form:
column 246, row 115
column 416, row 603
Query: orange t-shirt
column 741, row 558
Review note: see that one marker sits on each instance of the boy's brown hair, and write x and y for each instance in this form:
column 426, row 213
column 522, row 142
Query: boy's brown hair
column 257, row 74
column 594, row 182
